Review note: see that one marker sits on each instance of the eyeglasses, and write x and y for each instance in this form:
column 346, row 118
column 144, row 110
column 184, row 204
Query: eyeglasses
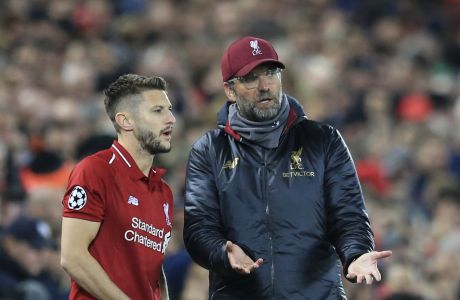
column 251, row 81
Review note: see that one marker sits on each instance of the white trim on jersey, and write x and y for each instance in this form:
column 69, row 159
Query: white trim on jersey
column 126, row 161
column 112, row 159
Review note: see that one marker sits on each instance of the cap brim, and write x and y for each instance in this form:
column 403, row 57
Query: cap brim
column 249, row 67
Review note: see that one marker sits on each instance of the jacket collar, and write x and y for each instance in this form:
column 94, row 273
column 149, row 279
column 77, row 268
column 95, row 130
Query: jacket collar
column 295, row 112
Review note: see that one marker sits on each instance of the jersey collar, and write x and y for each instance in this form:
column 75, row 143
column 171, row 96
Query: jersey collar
column 131, row 167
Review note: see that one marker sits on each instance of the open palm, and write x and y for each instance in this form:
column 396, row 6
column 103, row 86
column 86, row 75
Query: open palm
column 239, row 260
column 365, row 267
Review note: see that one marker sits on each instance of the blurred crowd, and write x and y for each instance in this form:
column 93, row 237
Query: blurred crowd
column 386, row 73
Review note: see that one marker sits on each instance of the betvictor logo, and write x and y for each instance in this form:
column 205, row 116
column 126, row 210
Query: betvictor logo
column 296, row 168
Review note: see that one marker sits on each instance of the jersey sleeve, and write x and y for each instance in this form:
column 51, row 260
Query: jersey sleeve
column 86, row 191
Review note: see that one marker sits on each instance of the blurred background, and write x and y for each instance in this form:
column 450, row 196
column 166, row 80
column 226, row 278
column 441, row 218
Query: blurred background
column 385, row 73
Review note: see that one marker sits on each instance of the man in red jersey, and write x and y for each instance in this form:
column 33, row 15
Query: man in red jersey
column 117, row 209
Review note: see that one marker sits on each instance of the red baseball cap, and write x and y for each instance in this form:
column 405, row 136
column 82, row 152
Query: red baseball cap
column 245, row 54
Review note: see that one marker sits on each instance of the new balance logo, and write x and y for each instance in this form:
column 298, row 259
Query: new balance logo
column 133, row 201
column 231, row 164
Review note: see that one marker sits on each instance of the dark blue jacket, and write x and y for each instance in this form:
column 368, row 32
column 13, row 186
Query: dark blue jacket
column 299, row 207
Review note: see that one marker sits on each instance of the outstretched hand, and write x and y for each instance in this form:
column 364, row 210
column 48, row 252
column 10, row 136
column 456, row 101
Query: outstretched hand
column 365, row 267
column 240, row 261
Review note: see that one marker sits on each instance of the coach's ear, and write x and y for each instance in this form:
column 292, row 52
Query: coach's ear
column 124, row 121
column 230, row 92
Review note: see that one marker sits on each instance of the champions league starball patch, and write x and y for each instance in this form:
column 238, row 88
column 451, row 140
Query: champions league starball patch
column 77, row 198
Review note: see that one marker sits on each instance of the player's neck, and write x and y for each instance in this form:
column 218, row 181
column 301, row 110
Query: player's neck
column 142, row 158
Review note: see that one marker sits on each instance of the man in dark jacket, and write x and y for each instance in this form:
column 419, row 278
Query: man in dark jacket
column 25, row 246
column 272, row 198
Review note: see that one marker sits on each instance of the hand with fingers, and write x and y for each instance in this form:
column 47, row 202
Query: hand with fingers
column 365, row 267
column 240, row 261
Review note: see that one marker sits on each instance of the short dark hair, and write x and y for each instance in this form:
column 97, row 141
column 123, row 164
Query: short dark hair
column 126, row 86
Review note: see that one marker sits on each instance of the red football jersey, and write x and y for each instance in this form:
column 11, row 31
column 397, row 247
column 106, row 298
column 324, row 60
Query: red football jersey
column 135, row 213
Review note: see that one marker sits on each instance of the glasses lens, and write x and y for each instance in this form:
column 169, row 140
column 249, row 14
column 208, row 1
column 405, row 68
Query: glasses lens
column 251, row 81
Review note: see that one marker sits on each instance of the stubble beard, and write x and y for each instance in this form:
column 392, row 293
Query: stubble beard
column 150, row 142
column 250, row 111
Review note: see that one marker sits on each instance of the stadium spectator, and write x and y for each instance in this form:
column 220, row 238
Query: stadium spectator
column 25, row 247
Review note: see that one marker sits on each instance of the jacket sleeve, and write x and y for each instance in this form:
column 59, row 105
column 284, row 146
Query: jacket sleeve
column 348, row 223
column 203, row 233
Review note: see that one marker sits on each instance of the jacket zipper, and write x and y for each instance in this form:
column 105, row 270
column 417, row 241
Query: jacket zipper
column 267, row 212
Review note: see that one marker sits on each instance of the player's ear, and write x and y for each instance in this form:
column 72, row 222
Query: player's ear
column 124, row 121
